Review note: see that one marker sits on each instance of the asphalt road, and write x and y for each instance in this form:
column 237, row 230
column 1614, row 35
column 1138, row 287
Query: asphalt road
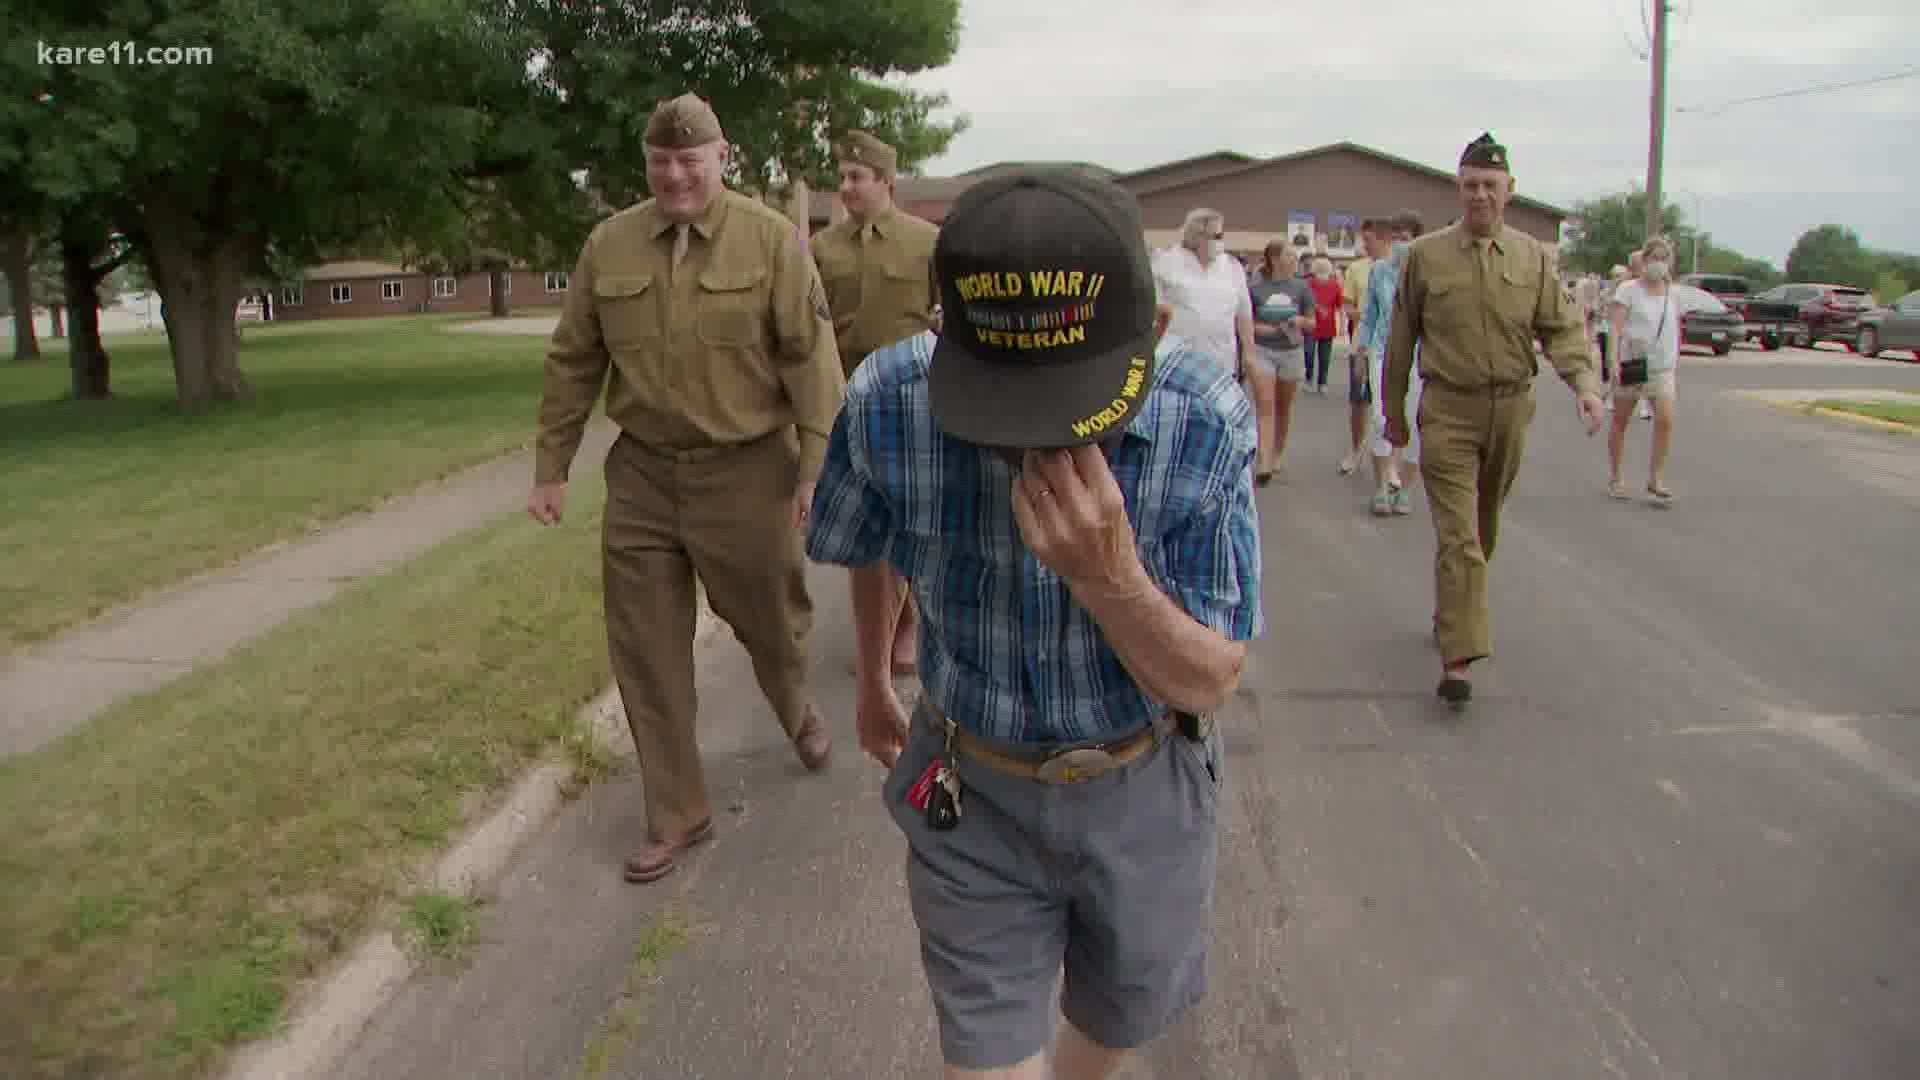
column 1677, row 835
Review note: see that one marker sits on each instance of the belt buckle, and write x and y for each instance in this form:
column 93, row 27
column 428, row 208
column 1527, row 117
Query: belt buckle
column 1073, row 766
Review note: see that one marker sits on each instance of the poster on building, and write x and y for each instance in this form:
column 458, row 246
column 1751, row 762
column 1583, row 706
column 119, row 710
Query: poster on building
column 1300, row 232
column 1343, row 234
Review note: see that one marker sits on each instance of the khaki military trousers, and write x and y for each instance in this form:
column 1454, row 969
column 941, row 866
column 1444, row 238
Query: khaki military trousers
column 1470, row 447
column 725, row 514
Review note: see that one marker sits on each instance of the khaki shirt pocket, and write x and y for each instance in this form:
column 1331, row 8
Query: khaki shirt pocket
column 1451, row 305
column 1517, row 294
column 628, row 315
column 726, row 313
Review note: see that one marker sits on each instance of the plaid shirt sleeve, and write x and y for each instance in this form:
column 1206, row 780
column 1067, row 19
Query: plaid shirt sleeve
column 850, row 523
column 1212, row 558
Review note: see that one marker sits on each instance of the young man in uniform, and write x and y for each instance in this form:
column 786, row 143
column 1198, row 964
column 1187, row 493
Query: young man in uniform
column 1474, row 297
column 877, row 266
column 703, row 315
column 1073, row 507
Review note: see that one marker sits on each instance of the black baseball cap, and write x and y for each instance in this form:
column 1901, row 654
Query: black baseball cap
column 1047, row 312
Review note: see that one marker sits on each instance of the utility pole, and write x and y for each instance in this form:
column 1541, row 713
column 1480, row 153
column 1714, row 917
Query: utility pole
column 1656, row 143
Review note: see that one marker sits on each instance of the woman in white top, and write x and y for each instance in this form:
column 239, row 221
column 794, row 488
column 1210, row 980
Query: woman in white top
column 1645, row 314
column 1207, row 289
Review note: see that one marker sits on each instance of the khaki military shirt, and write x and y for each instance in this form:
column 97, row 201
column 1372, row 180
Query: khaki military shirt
column 1475, row 309
column 732, row 345
column 879, row 281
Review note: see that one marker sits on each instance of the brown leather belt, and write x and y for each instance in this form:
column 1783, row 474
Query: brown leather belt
column 1071, row 766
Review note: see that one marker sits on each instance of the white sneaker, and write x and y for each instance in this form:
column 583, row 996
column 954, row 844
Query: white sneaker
column 1349, row 463
column 1646, row 411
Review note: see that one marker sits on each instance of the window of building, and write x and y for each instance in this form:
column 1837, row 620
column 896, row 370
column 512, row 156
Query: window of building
column 342, row 294
column 390, row 290
column 292, row 295
column 444, row 288
column 556, row 281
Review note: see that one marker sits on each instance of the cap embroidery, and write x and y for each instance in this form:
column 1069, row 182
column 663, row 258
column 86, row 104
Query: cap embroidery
column 1119, row 407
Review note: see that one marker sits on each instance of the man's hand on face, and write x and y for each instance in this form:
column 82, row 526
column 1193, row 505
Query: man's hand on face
column 1074, row 519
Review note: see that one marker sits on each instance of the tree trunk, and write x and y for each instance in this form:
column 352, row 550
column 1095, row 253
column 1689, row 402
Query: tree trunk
column 86, row 355
column 57, row 320
column 16, row 251
column 199, row 280
column 497, row 286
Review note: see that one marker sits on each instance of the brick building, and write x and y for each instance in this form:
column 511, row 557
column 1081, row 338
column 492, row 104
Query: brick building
column 358, row 288
column 1259, row 197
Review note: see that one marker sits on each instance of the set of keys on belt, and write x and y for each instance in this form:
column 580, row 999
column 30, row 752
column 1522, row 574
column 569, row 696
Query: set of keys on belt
column 937, row 792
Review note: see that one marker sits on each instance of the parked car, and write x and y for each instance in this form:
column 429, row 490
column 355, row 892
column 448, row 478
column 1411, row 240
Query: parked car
column 1895, row 326
column 1731, row 289
column 1803, row 314
column 1712, row 323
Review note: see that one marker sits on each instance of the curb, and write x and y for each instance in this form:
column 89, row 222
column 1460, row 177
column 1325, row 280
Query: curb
column 1806, row 407
column 330, row 1015
column 1864, row 421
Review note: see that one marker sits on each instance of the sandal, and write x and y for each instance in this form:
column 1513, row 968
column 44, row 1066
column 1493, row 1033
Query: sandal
column 1617, row 489
column 1660, row 496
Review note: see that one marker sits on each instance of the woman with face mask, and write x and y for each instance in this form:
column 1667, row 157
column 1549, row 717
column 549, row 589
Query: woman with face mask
column 1645, row 314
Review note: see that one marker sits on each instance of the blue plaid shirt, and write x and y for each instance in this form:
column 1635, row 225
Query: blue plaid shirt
column 1005, row 651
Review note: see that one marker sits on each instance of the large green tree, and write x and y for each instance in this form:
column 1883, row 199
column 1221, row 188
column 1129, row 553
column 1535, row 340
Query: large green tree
column 1610, row 229
column 1833, row 255
column 451, row 128
column 785, row 78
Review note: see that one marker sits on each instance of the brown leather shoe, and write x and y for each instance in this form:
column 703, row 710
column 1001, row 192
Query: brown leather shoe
column 657, row 858
column 813, row 744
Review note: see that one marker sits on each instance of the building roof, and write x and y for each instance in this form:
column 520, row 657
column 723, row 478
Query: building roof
column 912, row 189
column 1143, row 179
column 982, row 172
column 345, row 269
column 1330, row 148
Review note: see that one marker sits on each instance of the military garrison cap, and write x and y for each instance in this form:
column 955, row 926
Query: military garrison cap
column 861, row 147
column 683, row 122
column 1484, row 153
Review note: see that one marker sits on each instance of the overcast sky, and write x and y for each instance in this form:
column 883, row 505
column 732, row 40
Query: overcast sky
column 1132, row 83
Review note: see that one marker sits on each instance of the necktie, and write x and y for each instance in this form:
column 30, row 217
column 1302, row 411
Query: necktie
column 679, row 247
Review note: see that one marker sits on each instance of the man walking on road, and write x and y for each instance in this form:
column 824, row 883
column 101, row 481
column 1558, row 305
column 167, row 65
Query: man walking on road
column 1072, row 505
column 1474, row 297
column 724, row 382
column 877, row 266
column 1395, row 468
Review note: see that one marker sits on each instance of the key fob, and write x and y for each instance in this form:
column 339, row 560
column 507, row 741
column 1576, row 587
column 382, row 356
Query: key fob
column 943, row 808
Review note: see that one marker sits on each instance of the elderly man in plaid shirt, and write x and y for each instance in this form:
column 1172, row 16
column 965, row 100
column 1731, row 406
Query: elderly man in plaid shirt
column 1072, row 506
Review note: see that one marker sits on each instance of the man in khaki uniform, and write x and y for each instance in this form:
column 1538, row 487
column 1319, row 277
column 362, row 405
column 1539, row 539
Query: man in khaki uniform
column 1475, row 296
column 707, row 312
column 877, row 266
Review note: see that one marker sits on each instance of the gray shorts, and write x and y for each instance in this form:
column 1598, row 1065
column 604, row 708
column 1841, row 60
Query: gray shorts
column 1111, row 878
column 1287, row 365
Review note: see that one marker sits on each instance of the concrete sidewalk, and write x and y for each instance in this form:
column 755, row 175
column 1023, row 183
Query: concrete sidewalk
column 47, row 690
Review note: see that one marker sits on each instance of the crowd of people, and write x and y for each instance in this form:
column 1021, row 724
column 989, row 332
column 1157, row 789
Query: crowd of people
column 1297, row 308
column 1036, row 447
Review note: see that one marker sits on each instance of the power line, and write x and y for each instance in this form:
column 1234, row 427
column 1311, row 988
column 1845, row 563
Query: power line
column 1725, row 105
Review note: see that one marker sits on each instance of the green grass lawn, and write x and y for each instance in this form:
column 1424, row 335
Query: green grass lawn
column 172, row 870
column 1896, row 412
column 105, row 499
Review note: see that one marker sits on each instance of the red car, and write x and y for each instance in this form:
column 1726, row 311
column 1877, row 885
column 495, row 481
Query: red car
column 1803, row 314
